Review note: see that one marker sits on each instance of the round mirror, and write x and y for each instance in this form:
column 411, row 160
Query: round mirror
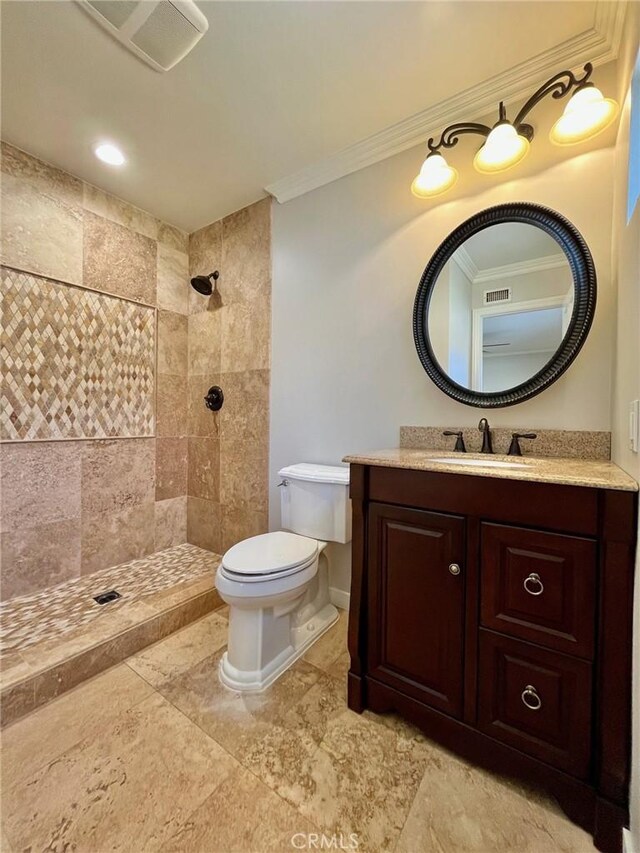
column 504, row 305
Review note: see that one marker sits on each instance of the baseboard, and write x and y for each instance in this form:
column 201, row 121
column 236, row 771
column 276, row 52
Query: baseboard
column 339, row 597
column 627, row 840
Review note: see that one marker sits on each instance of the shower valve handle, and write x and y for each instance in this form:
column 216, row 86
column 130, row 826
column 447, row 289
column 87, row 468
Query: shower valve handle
column 214, row 398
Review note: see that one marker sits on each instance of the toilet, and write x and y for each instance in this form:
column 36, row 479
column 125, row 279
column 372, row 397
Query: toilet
column 277, row 584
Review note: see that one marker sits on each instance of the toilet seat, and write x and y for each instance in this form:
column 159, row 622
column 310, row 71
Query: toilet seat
column 268, row 557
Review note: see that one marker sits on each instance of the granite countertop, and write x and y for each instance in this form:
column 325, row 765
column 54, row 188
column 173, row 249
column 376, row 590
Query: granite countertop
column 595, row 474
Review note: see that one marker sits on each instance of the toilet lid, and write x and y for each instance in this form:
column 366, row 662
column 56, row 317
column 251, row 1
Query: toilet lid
column 270, row 553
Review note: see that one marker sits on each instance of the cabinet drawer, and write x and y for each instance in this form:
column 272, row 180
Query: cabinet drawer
column 536, row 701
column 539, row 586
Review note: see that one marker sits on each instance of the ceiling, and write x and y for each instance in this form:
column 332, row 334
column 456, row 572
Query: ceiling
column 509, row 243
column 270, row 94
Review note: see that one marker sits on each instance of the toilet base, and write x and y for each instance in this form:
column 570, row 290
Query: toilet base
column 302, row 636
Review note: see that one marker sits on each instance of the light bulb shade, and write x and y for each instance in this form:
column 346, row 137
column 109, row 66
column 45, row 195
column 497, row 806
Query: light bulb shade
column 435, row 177
column 503, row 148
column 587, row 114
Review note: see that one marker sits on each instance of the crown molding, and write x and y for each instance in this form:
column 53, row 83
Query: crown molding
column 548, row 262
column 599, row 44
column 466, row 263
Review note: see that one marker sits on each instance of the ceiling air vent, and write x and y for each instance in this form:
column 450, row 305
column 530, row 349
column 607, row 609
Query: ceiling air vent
column 160, row 32
column 492, row 297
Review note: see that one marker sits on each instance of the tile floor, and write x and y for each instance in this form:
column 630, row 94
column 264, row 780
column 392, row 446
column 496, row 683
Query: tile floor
column 155, row 755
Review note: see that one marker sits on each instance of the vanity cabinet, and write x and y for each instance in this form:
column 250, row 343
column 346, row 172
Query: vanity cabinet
column 496, row 615
column 416, row 641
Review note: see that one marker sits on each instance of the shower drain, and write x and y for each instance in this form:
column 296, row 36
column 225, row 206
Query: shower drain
column 107, row 597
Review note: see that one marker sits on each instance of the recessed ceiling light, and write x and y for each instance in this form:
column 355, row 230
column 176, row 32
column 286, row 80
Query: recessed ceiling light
column 109, row 154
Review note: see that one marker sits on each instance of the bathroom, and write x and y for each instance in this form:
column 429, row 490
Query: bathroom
column 272, row 577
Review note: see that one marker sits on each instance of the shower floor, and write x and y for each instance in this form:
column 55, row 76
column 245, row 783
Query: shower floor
column 52, row 640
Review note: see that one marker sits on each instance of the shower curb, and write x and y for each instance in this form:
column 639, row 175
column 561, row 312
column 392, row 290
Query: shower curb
column 22, row 697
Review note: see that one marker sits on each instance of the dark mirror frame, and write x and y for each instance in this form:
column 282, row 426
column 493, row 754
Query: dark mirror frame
column 584, row 305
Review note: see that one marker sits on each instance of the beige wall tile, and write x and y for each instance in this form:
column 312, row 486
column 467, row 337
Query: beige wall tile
column 188, row 611
column 42, row 176
column 246, row 336
column 111, row 207
column 41, row 232
column 39, row 483
column 16, row 702
column 173, row 237
column 171, row 468
column 40, row 556
column 205, row 249
column 243, row 475
column 204, row 468
column 246, row 253
column 172, row 343
column 118, row 260
column 245, row 414
column 203, row 524
column 117, row 475
column 241, row 522
column 205, row 331
column 170, row 522
column 205, row 256
column 111, row 538
column 202, row 421
column 173, row 279
column 171, row 406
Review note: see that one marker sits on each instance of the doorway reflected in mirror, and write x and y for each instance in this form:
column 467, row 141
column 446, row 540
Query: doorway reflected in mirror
column 501, row 307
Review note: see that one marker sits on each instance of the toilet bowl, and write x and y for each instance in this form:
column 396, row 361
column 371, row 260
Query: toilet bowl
column 277, row 584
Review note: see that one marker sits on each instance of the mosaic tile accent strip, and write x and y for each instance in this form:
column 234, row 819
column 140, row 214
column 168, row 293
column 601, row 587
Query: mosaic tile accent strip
column 74, row 363
column 50, row 613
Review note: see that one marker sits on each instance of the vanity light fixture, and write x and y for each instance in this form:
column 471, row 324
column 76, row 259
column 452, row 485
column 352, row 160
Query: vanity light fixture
column 507, row 143
column 436, row 176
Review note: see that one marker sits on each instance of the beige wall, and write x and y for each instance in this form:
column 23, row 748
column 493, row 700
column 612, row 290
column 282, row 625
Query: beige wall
column 626, row 383
column 230, row 346
column 71, row 507
column 347, row 261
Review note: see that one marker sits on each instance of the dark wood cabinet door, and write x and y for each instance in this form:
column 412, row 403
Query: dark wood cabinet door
column 539, row 586
column 536, row 700
column 416, row 599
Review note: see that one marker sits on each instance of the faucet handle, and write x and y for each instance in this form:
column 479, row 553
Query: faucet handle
column 459, row 448
column 514, row 447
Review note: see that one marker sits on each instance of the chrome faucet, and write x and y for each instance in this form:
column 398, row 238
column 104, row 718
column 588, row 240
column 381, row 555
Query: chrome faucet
column 485, row 429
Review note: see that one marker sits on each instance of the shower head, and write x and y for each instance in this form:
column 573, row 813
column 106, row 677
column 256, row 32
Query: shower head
column 205, row 284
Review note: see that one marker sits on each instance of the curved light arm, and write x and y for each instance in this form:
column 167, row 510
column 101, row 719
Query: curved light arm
column 449, row 136
column 558, row 86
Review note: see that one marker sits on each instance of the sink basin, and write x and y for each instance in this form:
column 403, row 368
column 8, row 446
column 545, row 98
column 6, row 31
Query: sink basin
column 477, row 463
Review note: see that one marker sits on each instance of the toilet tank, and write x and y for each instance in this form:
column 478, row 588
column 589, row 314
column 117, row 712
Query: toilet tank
column 315, row 501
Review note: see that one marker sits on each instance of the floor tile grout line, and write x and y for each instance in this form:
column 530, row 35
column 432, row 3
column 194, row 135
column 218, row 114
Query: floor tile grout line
column 238, row 761
column 75, row 743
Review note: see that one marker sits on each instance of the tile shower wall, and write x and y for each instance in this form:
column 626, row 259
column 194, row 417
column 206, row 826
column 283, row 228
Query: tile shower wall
column 70, row 507
column 230, row 345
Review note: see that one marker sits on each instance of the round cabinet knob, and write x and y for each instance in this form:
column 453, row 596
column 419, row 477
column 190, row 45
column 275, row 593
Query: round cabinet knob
column 531, row 698
column 454, row 568
column 533, row 584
